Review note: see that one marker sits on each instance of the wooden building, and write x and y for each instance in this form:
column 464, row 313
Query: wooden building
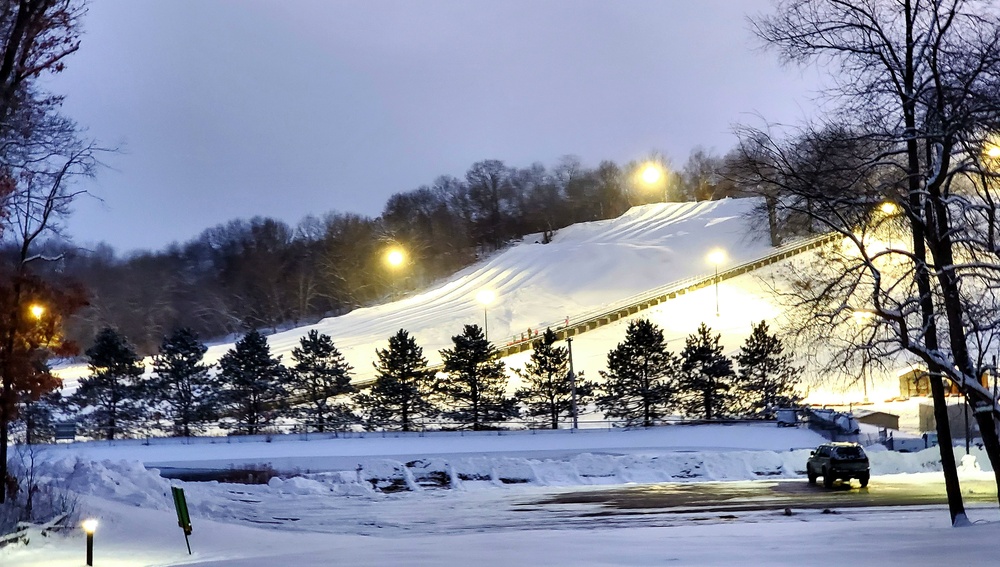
column 914, row 383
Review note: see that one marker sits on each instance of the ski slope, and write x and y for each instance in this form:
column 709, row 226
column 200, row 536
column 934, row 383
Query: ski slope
column 586, row 267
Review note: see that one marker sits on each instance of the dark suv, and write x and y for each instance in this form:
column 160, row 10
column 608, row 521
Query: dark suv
column 834, row 461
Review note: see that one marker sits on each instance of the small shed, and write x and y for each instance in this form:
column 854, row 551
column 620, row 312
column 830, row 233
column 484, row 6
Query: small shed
column 880, row 419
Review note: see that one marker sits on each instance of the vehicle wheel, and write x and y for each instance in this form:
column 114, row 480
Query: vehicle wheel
column 811, row 475
column 827, row 479
column 864, row 480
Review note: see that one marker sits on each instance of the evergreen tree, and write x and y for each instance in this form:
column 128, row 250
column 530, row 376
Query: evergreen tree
column 320, row 373
column 766, row 379
column 548, row 390
column 399, row 398
column 638, row 386
column 183, row 382
column 251, row 381
column 37, row 418
column 474, row 392
column 707, row 376
column 113, row 389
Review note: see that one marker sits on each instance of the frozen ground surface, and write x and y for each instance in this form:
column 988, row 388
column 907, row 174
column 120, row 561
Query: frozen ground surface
column 323, row 514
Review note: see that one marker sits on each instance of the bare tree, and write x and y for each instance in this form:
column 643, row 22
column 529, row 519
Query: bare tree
column 915, row 94
column 40, row 154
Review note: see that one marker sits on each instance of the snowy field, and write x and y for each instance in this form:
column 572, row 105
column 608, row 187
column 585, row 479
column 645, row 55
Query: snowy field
column 325, row 507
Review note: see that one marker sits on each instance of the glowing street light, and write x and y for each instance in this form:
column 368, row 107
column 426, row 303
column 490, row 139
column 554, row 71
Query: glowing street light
column 716, row 257
column 395, row 257
column 889, row 208
column 485, row 297
column 37, row 310
column 993, row 151
column 90, row 526
column 652, row 175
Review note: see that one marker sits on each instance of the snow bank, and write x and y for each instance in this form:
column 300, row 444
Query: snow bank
column 131, row 483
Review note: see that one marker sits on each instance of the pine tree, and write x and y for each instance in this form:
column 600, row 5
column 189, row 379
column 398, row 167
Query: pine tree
column 113, row 389
column 548, row 390
column 400, row 397
column 474, row 392
column 183, row 382
column 251, row 381
column 37, row 418
column 320, row 373
column 707, row 376
column 638, row 386
column 766, row 379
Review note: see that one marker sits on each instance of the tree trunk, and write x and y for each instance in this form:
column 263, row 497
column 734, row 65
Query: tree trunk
column 986, row 420
column 953, row 488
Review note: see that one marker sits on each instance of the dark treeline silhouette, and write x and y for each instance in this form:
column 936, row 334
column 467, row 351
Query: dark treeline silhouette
column 263, row 273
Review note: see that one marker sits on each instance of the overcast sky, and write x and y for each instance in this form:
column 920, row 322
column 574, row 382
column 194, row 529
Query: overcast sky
column 234, row 108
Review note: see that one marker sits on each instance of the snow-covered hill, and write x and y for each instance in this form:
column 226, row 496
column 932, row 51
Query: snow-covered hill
column 586, row 267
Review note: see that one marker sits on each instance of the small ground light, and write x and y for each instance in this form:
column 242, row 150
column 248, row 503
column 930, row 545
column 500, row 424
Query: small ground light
column 90, row 526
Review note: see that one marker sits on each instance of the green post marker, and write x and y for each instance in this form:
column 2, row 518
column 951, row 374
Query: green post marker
column 183, row 519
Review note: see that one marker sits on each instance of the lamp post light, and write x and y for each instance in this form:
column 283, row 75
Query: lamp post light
column 889, row 209
column 395, row 258
column 652, row 174
column 716, row 257
column 90, row 526
column 37, row 310
column 485, row 297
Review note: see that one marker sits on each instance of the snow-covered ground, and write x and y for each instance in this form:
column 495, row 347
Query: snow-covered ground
column 324, row 508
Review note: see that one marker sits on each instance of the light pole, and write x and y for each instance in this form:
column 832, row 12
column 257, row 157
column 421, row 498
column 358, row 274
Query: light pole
column 572, row 381
column 486, row 297
column 90, row 526
column 395, row 258
column 861, row 317
column 716, row 257
column 889, row 210
column 37, row 311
